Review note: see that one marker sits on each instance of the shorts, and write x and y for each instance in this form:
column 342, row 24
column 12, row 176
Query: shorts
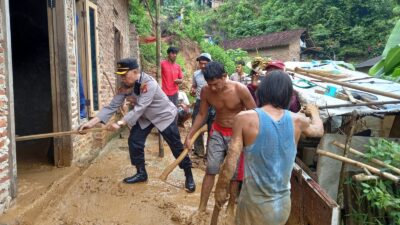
column 217, row 147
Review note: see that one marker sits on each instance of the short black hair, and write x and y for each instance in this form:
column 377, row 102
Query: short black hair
column 275, row 89
column 214, row 70
column 240, row 62
column 172, row 50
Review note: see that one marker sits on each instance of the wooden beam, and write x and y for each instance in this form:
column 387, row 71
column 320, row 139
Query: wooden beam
column 360, row 104
column 376, row 161
column 60, row 84
column 360, row 165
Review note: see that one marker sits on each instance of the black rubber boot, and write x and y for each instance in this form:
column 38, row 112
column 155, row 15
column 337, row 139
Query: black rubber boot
column 140, row 176
column 190, row 186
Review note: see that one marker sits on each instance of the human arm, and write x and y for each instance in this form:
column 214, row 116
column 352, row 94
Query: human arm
column 105, row 113
column 180, row 77
column 200, row 118
column 146, row 97
column 246, row 97
column 313, row 126
column 230, row 163
column 178, row 81
column 89, row 124
column 194, row 86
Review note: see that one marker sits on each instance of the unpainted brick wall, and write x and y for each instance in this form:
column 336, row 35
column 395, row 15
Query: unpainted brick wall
column 112, row 14
column 284, row 53
column 5, row 195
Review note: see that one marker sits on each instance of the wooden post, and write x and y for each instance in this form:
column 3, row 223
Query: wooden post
column 158, row 62
column 344, row 166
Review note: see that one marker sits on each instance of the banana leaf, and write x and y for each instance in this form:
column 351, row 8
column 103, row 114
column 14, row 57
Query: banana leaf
column 394, row 39
column 377, row 69
column 396, row 72
column 392, row 59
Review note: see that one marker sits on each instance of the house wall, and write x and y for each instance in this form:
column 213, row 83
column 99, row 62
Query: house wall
column 7, row 149
column 289, row 52
column 279, row 53
column 111, row 15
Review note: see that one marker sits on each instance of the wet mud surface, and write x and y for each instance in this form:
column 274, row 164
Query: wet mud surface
column 96, row 195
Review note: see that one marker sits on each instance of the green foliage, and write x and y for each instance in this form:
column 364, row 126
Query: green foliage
column 219, row 54
column 344, row 28
column 138, row 16
column 381, row 195
column 384, row 150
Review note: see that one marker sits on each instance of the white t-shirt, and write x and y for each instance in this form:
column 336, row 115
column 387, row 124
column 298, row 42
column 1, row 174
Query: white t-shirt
column 182, row 98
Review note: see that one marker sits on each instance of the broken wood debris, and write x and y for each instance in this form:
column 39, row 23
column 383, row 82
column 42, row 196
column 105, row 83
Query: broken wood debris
column 372, row 169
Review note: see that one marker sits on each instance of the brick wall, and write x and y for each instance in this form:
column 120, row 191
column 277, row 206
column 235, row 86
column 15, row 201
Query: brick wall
column 280, row 53
column 294, row 51
column 112, row 14
column 5, row 182
column 284, row 53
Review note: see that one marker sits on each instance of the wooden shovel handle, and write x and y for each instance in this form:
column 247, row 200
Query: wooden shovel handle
column 172, row 166
column 55, row 134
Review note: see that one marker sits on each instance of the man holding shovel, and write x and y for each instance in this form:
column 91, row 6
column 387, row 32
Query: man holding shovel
column 228, row 98
column 268, row 136
column 152, row 109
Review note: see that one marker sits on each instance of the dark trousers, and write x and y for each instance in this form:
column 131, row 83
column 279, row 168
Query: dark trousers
column 199, row 142
column 174, row 98
column 137, row 139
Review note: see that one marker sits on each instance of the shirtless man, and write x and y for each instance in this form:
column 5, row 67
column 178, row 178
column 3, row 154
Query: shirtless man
column 269, row 136
column 228, row 98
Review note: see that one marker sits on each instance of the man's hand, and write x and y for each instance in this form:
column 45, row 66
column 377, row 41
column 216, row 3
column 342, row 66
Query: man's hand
column 88, row 125
column 221, row 196
column 178, row 81
column 187, row 143
column 113, row 127
column 311, row 110
column 83, row 127
column 131, row 100
column 193, row 91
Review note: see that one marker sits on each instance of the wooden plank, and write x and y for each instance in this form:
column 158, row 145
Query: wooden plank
column 395, row 131
column 311, row 205
column 60, row 86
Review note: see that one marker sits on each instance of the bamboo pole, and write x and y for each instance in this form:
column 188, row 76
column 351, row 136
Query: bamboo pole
column 316, row 76
column 376, row 161
column 360, row 165
column 359, row 104
column 55, row 134
column 364, row 177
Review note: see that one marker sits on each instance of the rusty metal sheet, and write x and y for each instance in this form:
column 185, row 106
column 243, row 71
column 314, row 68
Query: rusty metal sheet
column 311, row 205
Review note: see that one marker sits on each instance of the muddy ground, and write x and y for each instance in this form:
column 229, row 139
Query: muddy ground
column 95, row 194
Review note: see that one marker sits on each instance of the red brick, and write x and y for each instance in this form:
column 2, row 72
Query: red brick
column 4, row 158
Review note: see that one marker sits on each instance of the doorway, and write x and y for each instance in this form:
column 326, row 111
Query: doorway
column 32, row 81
